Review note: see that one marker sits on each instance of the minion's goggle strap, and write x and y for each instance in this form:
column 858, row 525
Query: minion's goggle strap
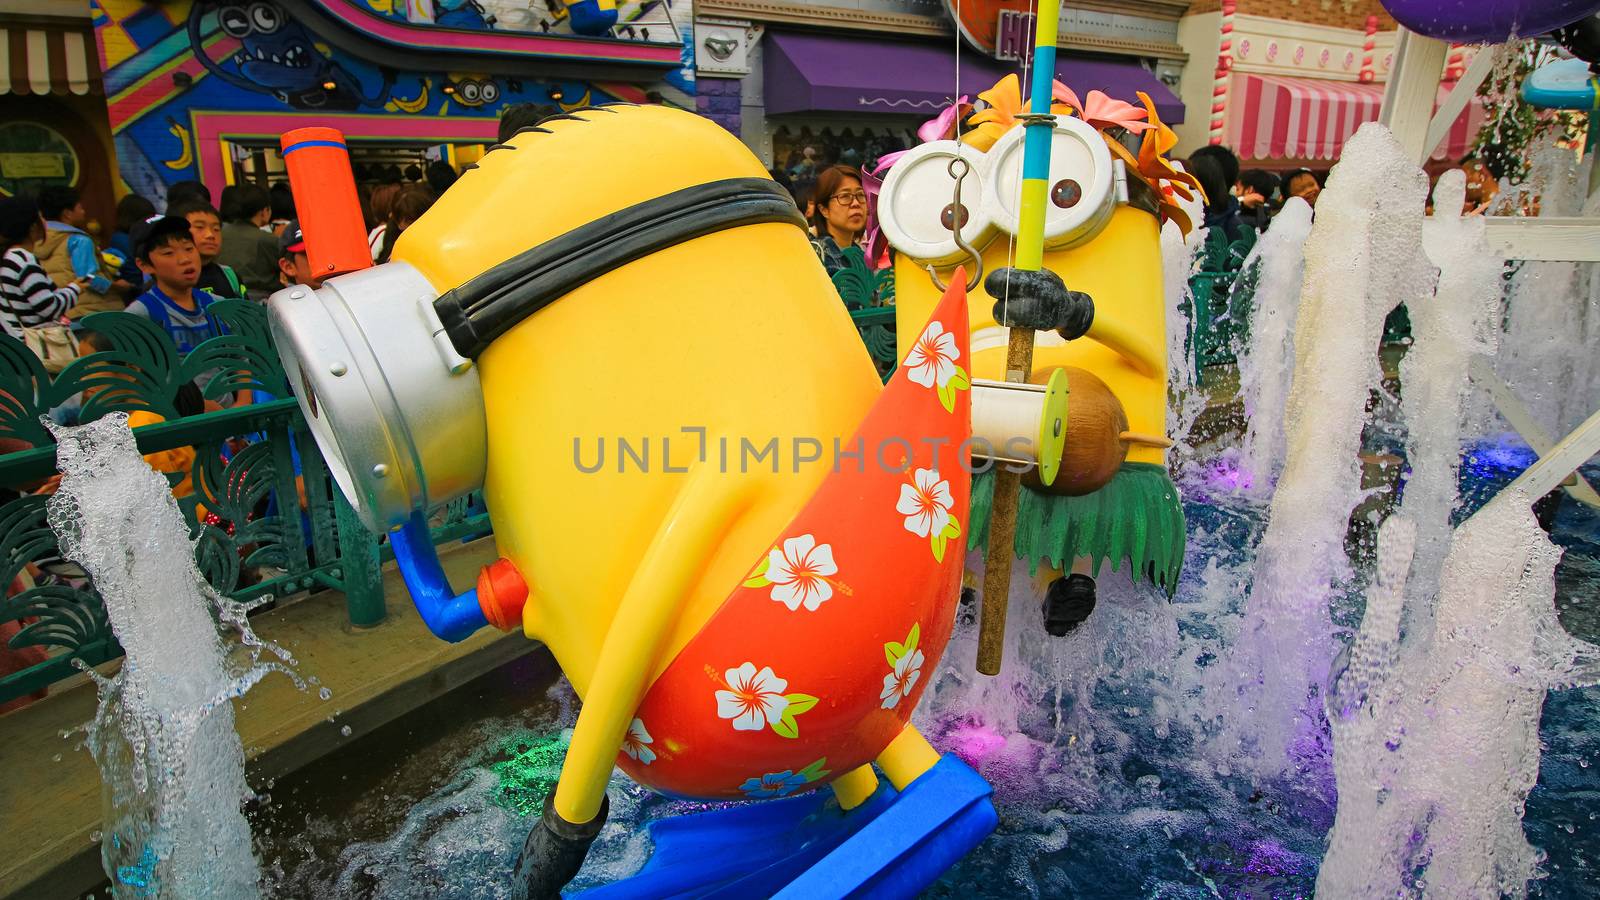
column 477, row 312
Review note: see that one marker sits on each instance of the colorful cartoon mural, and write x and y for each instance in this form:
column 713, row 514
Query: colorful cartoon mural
column 190, row 81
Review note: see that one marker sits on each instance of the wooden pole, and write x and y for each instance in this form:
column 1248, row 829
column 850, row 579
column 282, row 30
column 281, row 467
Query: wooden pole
column 1019, row 351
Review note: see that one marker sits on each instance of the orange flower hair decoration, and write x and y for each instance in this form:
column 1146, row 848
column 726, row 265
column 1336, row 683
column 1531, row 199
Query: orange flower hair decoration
column 1004, row 105
column 1154, row 167
column 988, row 125
column 1101, row 111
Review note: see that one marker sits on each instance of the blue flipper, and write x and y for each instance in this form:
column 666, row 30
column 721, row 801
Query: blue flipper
column 935, row 821
column 893, row 845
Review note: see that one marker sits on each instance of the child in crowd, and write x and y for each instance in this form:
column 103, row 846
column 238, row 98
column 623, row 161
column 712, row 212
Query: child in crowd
column 178, row 461
column 293, row 266
column 28, row 298
column 247, row 246
column 67, row 253
column 165, row 250
column 205, row 225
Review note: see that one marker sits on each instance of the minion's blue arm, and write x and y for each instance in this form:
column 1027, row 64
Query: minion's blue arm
column 450, row 616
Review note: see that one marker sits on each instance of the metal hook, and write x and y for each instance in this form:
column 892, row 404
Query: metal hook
column 955, row 229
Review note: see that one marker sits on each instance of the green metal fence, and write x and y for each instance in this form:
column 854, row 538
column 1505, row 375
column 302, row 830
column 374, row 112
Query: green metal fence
column 1220, row 294
column 266, row 518
column 869, row 296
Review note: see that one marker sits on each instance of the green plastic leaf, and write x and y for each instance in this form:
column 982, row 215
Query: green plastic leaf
column 758, row 578
column 893, row 651
column 815, row 770
column 786, row 727
column 799, row 703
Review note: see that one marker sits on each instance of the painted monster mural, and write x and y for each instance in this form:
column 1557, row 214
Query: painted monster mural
column 276, row 56
column 189, row 82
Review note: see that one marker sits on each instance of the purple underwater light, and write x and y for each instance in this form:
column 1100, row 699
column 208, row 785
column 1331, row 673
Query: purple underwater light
column 1492, row 21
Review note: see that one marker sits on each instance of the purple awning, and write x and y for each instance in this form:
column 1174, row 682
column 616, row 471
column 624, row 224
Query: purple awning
column 826, row 73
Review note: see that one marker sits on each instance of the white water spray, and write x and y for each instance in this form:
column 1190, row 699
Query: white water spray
column 1265, row 369
column 1435, row 752
column 1553, row 312
column 1363, row 257
column 1178, row 255
column 1462, row 320
column 164, row 735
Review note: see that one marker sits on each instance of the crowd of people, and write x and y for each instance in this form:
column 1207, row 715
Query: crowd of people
column 171, row 266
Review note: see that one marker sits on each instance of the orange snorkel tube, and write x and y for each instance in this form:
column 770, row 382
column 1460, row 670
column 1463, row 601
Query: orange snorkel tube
column 325, row 200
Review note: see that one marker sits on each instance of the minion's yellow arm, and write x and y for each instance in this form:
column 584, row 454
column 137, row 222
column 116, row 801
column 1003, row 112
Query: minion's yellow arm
column 697, row 521
column 1132, row 345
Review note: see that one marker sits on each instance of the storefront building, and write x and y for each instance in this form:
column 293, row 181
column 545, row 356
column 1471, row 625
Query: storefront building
column 1284, row 83
column 807, row 84
column 53, row 127
column 202, row 89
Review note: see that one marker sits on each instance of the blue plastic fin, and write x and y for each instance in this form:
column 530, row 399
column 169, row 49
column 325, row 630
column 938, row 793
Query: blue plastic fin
column 935, row 821
column 808, row 847
column 450, row 616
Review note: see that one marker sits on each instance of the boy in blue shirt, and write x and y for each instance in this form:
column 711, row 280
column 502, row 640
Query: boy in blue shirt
column 165, row 251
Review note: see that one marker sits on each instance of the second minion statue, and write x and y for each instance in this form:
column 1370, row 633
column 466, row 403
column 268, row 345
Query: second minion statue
column 1098, row 306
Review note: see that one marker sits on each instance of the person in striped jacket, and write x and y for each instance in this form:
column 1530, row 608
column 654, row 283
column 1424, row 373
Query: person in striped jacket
column 28, row 298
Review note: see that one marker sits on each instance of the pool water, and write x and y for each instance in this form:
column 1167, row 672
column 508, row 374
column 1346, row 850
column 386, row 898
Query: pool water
column 1101, row 783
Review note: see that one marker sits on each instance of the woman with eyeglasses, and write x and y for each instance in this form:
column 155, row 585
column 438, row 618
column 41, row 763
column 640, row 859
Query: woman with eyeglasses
column 840, row 216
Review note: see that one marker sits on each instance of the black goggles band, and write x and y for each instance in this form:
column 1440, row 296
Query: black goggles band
column 491, row 304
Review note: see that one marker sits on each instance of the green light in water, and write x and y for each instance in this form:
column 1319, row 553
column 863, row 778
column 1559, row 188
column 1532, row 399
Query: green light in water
column 528, row 766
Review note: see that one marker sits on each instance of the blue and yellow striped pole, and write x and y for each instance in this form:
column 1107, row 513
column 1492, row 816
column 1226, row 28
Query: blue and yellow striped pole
column 1019, row 350
column 1036, row 146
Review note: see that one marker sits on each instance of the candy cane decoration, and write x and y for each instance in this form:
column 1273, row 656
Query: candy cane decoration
column 1368, row 50
column 1219, row 89
column 1456, row 65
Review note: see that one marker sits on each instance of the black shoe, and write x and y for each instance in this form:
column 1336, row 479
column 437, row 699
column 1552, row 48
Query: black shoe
column 1067, row 604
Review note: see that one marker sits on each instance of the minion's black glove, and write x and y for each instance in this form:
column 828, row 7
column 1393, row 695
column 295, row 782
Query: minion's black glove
column 1039, row 301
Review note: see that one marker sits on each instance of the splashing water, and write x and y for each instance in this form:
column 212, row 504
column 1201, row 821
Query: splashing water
column 1363, row 257
column 1435, row 752
column 163, row 735
column 1178, row 259
column 1278, row 261
column 1553, row 308
column 1460, row 321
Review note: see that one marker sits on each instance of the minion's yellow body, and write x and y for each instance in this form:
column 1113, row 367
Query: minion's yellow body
column 625, row 564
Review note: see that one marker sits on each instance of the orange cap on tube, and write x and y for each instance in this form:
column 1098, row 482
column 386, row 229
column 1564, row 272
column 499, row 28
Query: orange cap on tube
column 325, row 200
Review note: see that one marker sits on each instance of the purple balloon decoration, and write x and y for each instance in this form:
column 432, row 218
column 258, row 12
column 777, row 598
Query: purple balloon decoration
column 1487, row 21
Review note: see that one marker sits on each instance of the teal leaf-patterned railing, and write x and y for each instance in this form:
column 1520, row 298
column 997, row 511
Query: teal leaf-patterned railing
column 266, row 518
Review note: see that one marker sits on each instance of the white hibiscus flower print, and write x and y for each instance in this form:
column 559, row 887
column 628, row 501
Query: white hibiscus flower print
column 925, row 503
column 799, row 572
column 753, row 698
column 898, row 683
column 636, row 743
column 932, row 360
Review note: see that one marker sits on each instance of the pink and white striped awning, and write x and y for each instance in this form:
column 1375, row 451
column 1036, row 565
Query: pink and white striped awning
column 1277, row 117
